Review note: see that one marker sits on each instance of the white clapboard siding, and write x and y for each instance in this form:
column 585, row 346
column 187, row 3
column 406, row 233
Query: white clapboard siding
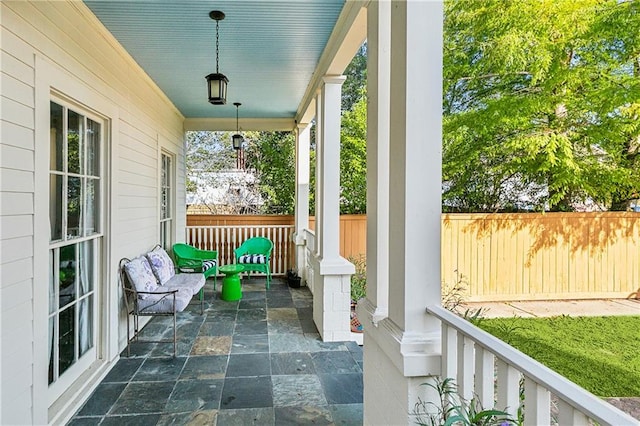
column 16, row 226
column 16, row 158
column 67, row 36
column 17, row 90
column 12, row 273
column 16, row 135
column 17, row 69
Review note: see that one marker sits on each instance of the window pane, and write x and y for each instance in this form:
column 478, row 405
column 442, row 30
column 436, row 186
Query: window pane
column 93, row 148
column 52, row 345
column 91, row 208
column 85, row 258
column 55, row 206
column 67, row 275
column 53, row 271
column 66, row 340
column 75, row 147
column 164, row 203
column 57, row 143
column 85, row 325
column 73, row 207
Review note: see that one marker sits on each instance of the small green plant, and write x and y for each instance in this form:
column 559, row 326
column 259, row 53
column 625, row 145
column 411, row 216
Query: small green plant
column 454, row 296
column 507, row 328
column 359, row 279
column 451, row 409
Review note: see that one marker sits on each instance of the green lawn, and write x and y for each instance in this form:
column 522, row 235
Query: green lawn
column 601, row 354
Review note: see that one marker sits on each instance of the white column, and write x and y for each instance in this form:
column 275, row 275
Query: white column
column 332, row 281
column 303, row 136
column 378, row 81
column 319, row 170
column 403, row 350
column 329, row 167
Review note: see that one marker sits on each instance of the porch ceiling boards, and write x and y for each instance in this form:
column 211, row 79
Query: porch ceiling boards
column 269, row 50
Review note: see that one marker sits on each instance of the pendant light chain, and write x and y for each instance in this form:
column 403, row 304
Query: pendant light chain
column 217, row 45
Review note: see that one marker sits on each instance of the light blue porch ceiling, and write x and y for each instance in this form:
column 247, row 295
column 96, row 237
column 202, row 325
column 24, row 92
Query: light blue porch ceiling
column 268, row 49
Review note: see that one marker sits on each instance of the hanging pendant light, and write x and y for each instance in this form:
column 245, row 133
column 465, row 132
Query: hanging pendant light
column 237, row 139
column 217, row 82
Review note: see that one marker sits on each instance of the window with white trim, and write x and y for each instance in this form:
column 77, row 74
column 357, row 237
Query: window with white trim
column 75, row 215
column 166, row 200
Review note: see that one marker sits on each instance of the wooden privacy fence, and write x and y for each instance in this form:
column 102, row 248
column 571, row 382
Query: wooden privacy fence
column 542, row 256
column 526, row 256
column 353, row 230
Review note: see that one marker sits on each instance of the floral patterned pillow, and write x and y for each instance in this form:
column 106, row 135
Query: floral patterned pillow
column 141, row 276
column 161, row 265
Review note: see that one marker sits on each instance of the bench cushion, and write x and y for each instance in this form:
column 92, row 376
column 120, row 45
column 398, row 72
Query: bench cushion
column 253, row 258
column 161, row 264
column 206, row 265
column 190, row 282
column 163, row 303
column 140, row 275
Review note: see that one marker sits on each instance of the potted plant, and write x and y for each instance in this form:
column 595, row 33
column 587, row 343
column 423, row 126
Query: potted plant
column 293, row 279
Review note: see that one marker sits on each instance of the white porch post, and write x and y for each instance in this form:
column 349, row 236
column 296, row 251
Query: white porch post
column 378, row 76
column 332, row 272
column 403, row 350
column 303, row 136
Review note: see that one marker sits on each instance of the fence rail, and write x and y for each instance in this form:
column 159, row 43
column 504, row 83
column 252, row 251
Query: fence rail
column 507, row 256
column 225, row 239
column 488, row 368
column 537, row 256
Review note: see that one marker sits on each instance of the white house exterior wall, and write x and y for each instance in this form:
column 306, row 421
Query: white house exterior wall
column 61, row 46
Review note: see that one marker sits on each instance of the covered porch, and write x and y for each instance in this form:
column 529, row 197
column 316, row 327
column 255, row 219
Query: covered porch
column 258, row 361
column 136, row 68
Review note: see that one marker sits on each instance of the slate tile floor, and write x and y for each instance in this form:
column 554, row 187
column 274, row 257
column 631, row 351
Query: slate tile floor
column 258, row 361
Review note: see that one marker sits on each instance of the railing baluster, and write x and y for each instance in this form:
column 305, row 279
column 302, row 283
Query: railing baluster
column 225, row 238
column 508, row 388
column 569, row 416
column 537, row 404
column 449, row 346
column 464, row 377
column 484, row 377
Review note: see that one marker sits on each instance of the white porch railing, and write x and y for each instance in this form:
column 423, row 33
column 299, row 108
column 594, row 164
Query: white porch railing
column 225, row 239
column 488, row 368
column 310, row 238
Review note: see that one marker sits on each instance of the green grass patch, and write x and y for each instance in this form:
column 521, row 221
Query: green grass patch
column 601, row 354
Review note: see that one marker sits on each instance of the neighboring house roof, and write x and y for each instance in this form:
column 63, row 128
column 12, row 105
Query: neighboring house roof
column 225, row 187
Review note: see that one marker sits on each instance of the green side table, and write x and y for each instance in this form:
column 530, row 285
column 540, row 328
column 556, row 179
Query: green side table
column 231, row 288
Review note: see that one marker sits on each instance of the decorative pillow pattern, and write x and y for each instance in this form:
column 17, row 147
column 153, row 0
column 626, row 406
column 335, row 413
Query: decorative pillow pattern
column 208, row 264
column 141, row 276
column 161, row 265
column 253, row 258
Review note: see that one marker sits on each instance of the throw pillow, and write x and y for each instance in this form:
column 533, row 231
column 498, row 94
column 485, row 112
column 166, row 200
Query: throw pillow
column 161, row 265
column 141, row 276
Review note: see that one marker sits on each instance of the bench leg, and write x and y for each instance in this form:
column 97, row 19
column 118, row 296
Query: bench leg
column 175, row 336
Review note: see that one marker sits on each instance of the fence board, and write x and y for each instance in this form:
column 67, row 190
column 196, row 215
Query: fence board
column 500, row 256
column 543, row 256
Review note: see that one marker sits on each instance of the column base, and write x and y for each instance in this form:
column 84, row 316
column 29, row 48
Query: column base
column 332, row 298
column 396, row 365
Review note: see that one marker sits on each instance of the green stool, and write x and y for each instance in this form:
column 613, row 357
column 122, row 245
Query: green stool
column 231, row 288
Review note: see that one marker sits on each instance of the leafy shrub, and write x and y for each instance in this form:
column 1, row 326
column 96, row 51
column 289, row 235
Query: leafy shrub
column 359, row 279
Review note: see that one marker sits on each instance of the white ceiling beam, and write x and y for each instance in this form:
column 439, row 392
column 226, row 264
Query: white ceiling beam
column 246, row 124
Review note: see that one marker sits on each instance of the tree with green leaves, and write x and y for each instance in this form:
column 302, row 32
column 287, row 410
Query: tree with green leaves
column 541, row 104
column 270, row 156
column 353, row 159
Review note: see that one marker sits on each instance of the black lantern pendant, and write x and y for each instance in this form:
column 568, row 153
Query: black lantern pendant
column 217, row 82
column 237, row 139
